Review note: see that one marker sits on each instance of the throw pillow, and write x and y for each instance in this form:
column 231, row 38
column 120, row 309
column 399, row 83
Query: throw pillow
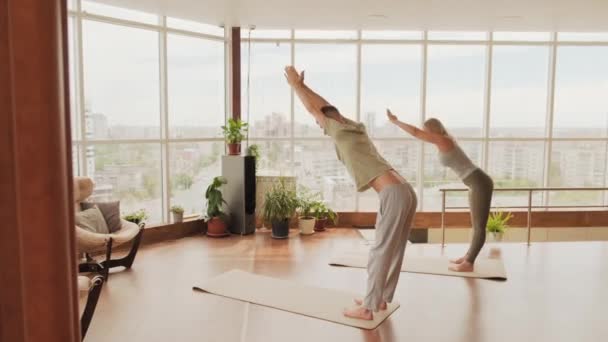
column 92, row 220
column 110, row 212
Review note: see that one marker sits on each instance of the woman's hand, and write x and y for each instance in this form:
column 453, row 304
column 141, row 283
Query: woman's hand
column 391, row 117
column 293, row 78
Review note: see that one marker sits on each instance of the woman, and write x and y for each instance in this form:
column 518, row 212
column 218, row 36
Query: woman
column 479, row 183
column 369, row 170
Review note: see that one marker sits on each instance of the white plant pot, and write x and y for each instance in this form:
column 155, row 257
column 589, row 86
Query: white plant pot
column 306, row 225
column 178, row 217
column 496, row 237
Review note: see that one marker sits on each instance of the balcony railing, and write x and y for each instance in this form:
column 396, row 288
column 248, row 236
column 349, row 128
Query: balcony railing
column 528, row 207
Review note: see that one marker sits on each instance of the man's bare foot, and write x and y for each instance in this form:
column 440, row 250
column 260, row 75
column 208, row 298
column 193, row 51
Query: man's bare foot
column 359, row 302
column 359, row 312
column 458, row 261
column 464, row 266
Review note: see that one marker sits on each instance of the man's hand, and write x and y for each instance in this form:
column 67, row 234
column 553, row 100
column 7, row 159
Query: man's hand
column 392, row 117
column 293, row 78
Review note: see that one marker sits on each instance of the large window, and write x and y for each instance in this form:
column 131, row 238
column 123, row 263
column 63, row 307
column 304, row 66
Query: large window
column 148, row 130
column 520, row 103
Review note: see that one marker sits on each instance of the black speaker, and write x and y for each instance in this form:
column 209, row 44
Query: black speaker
column 239, row 192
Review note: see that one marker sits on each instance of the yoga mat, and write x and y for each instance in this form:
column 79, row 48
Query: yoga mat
column 484, row 268
column 294, row 297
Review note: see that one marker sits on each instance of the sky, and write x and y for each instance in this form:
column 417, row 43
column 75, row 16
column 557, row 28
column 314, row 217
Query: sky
column 122, row 80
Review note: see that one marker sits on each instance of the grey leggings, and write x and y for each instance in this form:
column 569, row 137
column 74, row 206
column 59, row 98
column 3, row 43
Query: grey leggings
column 480, row 198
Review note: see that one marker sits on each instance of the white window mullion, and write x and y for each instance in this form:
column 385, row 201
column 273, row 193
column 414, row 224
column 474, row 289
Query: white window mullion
column 164, row 121
column 80, row 103
column 487, row 104
column 423, row 105
column 358, row 99
column 292, row 106
column 549, row 116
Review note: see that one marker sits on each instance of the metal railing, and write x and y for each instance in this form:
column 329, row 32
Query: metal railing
column 529, row 207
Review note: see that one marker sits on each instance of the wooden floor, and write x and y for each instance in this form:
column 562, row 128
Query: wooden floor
column 555, row 292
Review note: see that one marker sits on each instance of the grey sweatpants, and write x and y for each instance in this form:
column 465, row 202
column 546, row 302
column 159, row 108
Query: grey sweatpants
column 481, row 187
column 395, row 216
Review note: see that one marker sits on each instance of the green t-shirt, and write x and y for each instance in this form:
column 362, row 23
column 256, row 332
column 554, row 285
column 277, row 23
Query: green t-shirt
column 356, row 151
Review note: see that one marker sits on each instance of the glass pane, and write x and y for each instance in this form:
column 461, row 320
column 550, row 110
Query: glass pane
column 581, row 85
column 269, row 93
column 71, row 4
column 457, row 35
column 192, row 168
column 129, row 173
column 318, row 169
column 583, row 36
column 275, row 158
column 456, row 78
column 194, row 26
column 577, row 164
column 522, row 36
column 514, row 165
column 121, row 73
column 437, row 177
column 257, row 33
column 119, row 12
column 74, row 114
column 75, row 160
column 403, row 156
column 390, row 77
column 331, row 71
column 322, row 34
column 389, row 35
column 519, row 91
column 196, row 87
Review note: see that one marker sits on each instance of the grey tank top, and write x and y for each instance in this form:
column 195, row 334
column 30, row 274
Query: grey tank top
column 458, row 161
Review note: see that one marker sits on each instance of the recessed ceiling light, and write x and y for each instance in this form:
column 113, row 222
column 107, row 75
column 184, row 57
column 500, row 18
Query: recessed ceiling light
column 378, row 16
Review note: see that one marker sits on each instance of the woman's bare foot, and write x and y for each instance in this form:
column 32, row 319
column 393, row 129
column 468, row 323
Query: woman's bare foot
column 359, row 312
column 459, row 260
column 464, row 266
column 359, row 302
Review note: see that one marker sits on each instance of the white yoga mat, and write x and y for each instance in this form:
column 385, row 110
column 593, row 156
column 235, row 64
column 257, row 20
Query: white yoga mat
column 484, row 268
column 321, row 303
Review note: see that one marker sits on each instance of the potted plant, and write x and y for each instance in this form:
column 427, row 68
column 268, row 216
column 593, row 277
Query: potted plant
column 306, row 221
column 323, row 214
column 234, row 133
column 138, row 217
column 215, row 217
column 254, row 151
column 497, row 224
column 280, row 206
column 178, row 213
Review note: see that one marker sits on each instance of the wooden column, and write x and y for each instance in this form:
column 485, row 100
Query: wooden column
column 38, row 295
column 236, row 72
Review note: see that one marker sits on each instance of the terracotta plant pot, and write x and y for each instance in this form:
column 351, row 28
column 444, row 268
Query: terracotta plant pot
column 306, row 225
column 234, row 149
column 320, row 225
column 216, row 227
column 280, row 229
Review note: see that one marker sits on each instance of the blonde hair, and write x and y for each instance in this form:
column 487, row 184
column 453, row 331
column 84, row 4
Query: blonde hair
column 435, row 126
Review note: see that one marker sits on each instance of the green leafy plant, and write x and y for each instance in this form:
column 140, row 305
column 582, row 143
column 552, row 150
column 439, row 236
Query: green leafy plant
column 177, row 209
column 321, row 211
column 214, row 197
column 235, row 131
column 306, row 203
column 137, row 217
column 497, row 222
column 254, row 151
column 280, row 203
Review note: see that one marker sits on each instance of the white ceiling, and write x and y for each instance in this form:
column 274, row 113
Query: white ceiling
column 515, row 15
